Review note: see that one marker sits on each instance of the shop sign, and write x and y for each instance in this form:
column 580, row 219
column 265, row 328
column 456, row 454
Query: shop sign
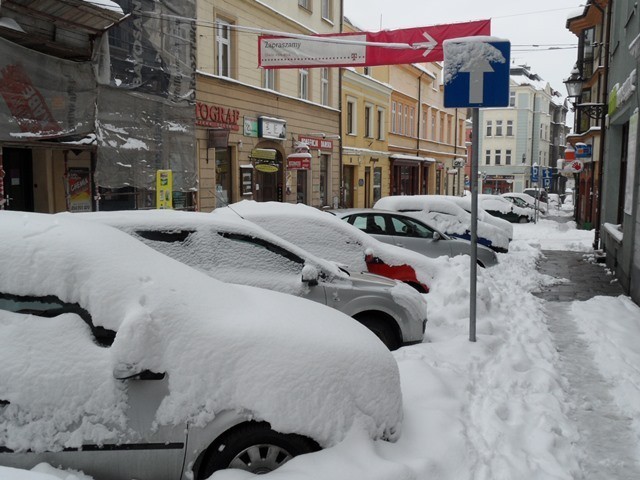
column 79, row 181
column 317, row 143
column 299, row 161
column 273, row 128
column 499, row 177
column 214, row 116
column 620, row 94
column 263, row 154
column 583, row 150
column 250, row 125
column 164, row 189
column 266, row 167
column 575, row 166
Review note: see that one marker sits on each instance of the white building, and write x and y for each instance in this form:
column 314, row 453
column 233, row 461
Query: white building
column 525, row 133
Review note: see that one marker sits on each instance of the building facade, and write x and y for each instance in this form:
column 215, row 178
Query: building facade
column 526, row 133
column 619, row 223
column 265, row 134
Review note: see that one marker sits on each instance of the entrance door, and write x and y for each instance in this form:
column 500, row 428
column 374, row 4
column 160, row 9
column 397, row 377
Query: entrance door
column 349, row 185
column 367, row 187
column 18, row 179
column 267, row 186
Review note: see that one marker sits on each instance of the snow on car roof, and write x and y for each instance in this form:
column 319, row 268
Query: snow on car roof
column 132, row 220
column 329, row 237
column 222, row 346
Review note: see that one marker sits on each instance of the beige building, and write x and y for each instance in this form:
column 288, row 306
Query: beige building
column 425, row 143
column 252, row 122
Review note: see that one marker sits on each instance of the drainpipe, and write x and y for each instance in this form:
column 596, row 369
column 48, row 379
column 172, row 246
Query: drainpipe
column 418, row 118
column 341, row 133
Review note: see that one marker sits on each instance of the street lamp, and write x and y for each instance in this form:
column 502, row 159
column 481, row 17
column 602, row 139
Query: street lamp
column 574, row 83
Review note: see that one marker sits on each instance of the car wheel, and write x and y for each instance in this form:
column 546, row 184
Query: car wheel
column 255, row 447
column 523, row 219
column 383, row 328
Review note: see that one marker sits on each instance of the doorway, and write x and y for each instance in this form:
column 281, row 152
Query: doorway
column 348, row 179
column 18, row 179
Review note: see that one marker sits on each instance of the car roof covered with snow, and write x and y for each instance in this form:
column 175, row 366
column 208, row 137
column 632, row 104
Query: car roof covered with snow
column 223, row 346
column 325, row 235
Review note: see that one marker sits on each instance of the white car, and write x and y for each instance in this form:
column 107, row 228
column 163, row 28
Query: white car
column 124, row 363
column 238, row 251
column 447, row 216
column 326, row 236
column 501, row 207
column 525, row 200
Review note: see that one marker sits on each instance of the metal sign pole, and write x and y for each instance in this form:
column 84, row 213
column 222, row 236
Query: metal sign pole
column 475, row 145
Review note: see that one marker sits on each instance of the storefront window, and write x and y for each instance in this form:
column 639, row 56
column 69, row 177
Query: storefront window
column 377, row 184
column 223, row 177
column 324, row 180
column 301, row 187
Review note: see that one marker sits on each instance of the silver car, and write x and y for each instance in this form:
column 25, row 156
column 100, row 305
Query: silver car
column 238, row 251
column 405, row 231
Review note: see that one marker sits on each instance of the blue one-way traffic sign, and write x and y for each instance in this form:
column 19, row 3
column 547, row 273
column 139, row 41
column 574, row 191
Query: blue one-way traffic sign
column 476, row 72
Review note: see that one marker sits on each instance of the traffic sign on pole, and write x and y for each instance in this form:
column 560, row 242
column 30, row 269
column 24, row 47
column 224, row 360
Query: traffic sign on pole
column 547, row 173
column 546, row 183
column 535, row 174
column 476, row 72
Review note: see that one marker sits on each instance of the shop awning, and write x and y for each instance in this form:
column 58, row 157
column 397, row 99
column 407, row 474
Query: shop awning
column 416, row 158
column 299, row 161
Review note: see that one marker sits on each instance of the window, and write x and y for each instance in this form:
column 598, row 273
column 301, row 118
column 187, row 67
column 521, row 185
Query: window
column 223, row 48
column 423, row 126
column 442, row 124
column 498, row 157
column 406, row 120
column 489, row 128
column 351, row 117
column 408, row 228
column 367, row 71
column 372, row 223
column 410, row 130
column 306, row 4
column 303, row 81
column 498, row 128
column 507, row 157
column 509, row 128
column 393, row 117
column 269, row 78
column 327, row 14
column 541, row 131
column 450, row 129
column 434, row 121
column 487, row 157
column 368, row 121
column 381, row 124
column 324, row 86
column 512, row 99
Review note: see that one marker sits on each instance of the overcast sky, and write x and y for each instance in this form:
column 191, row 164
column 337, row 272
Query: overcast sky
column 523, row 23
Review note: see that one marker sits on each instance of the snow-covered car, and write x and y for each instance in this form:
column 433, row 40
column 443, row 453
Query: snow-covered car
column 537, row 192
column 448, row 217
column 235, row 250
column 525, row 200
column 409, row 232
column 500, row 207
column 554, row 201
column 123, row 363
column 483, row 215
column 326, row 236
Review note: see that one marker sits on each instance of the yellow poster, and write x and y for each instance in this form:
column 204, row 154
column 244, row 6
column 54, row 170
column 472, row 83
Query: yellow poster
column 164, row 189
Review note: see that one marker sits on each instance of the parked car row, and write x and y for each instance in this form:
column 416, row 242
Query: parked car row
column 164, row 345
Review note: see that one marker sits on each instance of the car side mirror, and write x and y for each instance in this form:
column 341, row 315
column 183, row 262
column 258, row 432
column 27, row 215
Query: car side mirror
column 310, row 275
column 436, row 236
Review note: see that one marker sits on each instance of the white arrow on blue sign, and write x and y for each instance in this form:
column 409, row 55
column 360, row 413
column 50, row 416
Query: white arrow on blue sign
column 547, row 173
column 476, row 72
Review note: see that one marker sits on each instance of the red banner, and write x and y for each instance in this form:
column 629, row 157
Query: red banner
column 424, row 44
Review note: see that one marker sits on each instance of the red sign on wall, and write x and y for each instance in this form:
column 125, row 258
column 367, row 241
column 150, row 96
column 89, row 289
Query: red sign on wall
column 317, row 143
column 214, row 116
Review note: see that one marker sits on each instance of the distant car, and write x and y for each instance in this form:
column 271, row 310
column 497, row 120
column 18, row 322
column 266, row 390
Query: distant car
column 238, row 251
column 406, row 231
column 525, row 200
column 326, row 236
column 500, row 207
column 483, row 215
column 124, row 363
column 448, row 217
column 536, row 192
